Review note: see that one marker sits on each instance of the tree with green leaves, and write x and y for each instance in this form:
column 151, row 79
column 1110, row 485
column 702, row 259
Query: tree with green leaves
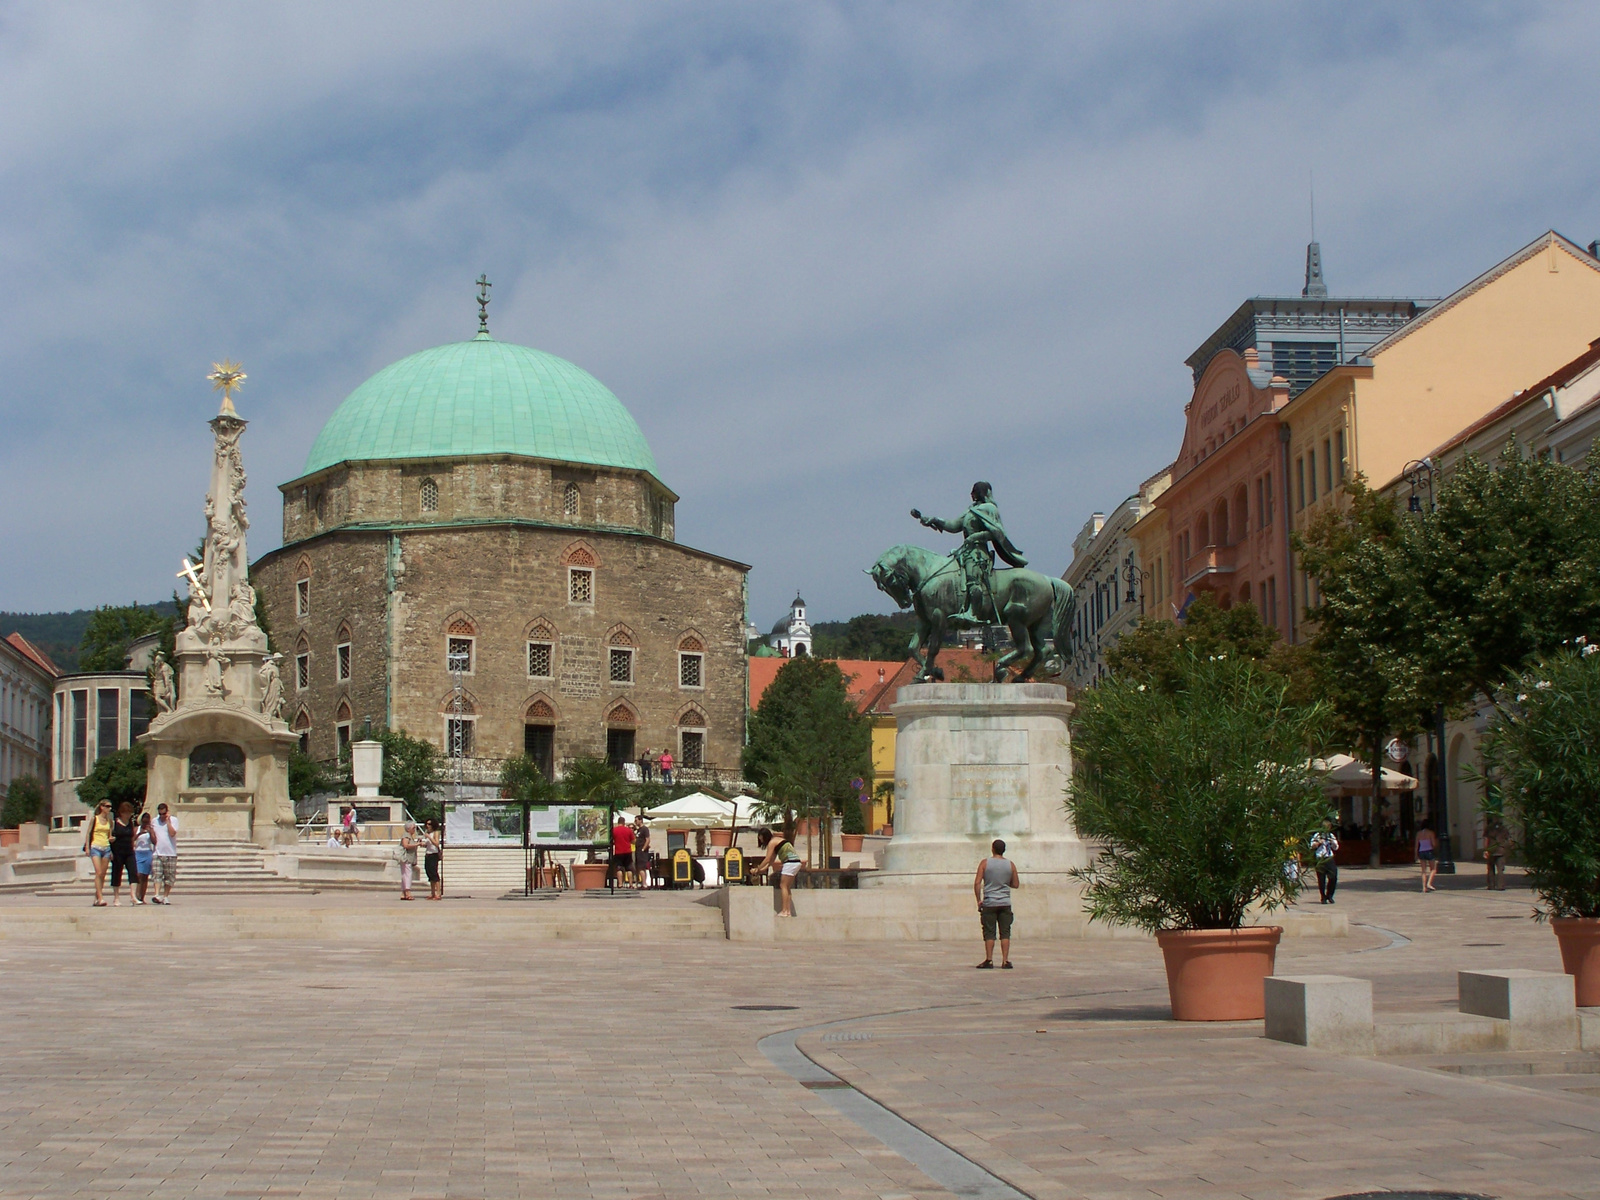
column 24, row 802
column 410, row 771
column 1368, row 628
column 806, row 743
column 307, row 776
column 874, row 636
column 111, row 630
column 522, row 779
column 117, row 777
column 1157, row 651
column 1508, row 566
column 594, row 781
column 1196, row 791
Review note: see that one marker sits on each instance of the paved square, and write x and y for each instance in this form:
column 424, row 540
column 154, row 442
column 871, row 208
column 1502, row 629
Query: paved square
column 425, row 1058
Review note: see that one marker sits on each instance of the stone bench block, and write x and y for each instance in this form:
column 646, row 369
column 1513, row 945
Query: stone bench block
column 1323, row 1012
column 1539, row 1005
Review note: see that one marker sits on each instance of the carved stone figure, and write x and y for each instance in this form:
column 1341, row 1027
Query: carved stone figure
column 241, row 609
column 216, row 663
column 271, row 688
column 163, row 690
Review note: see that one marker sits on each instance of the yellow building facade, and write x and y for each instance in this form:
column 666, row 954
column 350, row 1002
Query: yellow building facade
column 1442, row 371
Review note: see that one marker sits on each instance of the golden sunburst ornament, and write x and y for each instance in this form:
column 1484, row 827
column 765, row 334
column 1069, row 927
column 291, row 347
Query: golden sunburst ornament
column 226, row 377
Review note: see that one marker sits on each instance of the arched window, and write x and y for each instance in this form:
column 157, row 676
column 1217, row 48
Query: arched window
column 302, row 664
column 691, row 662
column 341, row 726
column 302, row 588
column 341, row 654
column 620, row 654
column 302, row 729
column 430, row 496
column 692, row 738
column 569, row 500
column 1219, row 523
column 1202, row 531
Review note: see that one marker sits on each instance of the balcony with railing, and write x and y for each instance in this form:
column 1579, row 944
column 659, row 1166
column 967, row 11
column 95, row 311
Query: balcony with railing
column 1207, row 566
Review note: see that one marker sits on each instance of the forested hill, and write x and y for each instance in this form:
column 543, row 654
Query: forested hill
column 59, row 634
column 884, row 637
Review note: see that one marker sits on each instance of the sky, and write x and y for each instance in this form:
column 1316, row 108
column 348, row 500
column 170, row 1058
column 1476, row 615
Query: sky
column 839, row 260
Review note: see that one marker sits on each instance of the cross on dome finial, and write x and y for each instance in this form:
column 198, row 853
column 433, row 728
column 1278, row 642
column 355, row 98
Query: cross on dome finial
column 226, row 376
column 483, row 303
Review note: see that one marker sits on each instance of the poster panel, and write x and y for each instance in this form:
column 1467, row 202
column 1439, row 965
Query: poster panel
column 495, row 824
column 569, row 825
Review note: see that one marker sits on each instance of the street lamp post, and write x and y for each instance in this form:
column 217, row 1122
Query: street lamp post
column 1420, row 476
column 1134, row 576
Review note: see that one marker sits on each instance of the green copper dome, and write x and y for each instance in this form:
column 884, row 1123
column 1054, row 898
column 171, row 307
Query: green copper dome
column 482, row 397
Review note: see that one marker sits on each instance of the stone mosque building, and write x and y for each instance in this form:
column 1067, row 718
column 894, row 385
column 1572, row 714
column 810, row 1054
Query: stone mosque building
column 480, row 552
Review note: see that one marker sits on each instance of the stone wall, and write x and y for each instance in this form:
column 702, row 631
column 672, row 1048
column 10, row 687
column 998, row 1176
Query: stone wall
column 493, row 583
column 465, row 489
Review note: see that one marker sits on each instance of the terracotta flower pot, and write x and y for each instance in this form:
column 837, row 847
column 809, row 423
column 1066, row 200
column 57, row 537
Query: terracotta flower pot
column 10, row 837
column 1579, row 938
column 588, row 875
column 850, row 843
column 722, row 837
column 1217, row 974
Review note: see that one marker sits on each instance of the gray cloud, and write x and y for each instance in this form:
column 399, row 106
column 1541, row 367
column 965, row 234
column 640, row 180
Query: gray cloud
column 838, row 260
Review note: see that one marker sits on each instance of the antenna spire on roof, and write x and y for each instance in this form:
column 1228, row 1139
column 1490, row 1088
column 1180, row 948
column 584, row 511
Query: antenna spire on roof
column 1315, row 288
column 483, row 303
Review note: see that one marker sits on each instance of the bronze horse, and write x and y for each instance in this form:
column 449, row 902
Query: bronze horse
column 1036, row 608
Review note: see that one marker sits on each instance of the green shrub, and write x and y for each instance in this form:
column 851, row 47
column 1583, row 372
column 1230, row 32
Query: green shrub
column 24, row 802
column 1544, row 752
column 1197, row 790
column 117, row 777
column 851, row 820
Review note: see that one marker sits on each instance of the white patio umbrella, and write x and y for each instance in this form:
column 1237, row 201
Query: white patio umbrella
column 1348, row 774
column 695, row 811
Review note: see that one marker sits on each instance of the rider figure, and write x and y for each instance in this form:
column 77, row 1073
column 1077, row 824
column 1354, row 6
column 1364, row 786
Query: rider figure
column 983, row 537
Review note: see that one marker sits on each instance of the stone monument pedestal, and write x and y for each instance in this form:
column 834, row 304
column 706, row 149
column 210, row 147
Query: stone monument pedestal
column 975, row 762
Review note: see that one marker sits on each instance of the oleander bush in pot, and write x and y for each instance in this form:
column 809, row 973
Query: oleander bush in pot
column 1543, row 751
column 1197, row 785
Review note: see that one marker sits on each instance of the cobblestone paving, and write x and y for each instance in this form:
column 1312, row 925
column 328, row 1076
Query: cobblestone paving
column 450, row 1068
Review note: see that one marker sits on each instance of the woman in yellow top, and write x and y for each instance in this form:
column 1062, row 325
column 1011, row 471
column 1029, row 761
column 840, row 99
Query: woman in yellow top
column 97, row 845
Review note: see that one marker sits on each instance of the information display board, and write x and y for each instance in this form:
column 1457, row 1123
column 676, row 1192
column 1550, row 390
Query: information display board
column 483, row 824
column 569, row 825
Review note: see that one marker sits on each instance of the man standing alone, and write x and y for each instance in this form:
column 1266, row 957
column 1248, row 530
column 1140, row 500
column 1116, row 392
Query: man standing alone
column 166, row 861
column 992, row 887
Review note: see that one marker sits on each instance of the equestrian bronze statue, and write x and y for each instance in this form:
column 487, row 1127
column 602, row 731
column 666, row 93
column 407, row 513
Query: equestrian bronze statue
column 965, row 589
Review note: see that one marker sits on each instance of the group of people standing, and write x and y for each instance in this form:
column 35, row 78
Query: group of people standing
column 630, row 850
column 650, row 764
column 134, row 846
column 429, row 842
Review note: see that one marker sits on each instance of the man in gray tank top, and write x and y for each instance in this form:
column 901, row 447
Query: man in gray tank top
column 992, row 887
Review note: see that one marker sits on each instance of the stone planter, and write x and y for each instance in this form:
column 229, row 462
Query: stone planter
column 850, row 843
column 10, row 837
column 588, row 875
column 1219, row 974
column 722, row 837
column 1579, row 938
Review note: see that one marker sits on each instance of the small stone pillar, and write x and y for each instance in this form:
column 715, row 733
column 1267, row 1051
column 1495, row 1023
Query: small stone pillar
column 1540, row 1005
column 1322, row 1012
column 366, row 767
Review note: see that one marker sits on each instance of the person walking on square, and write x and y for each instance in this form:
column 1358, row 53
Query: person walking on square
column 621, row 851
column 641, row 852
column 1427, row 849
column 665, row 763
column 166, row 874
column 992, row 885
column 122, row 861
column 144, row 853
column 1324, row 845
column 432, row 855
column 97, row 845
column 408, row 858
column 1497, row 844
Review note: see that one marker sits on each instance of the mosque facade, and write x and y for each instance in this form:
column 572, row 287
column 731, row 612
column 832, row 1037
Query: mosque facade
column 480, row 551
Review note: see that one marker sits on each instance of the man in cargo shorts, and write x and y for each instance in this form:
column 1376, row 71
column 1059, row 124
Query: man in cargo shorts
column 992, row 887
column 166, row 860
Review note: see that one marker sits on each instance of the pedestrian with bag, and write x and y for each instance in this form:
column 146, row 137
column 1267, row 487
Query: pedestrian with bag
column 432, row 858
column 97, row 845
column 408, row 859
column 1324, row 845
column 122, row 860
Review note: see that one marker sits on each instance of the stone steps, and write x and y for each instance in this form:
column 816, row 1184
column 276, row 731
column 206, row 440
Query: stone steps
column 205, row 867
column 573, row 916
